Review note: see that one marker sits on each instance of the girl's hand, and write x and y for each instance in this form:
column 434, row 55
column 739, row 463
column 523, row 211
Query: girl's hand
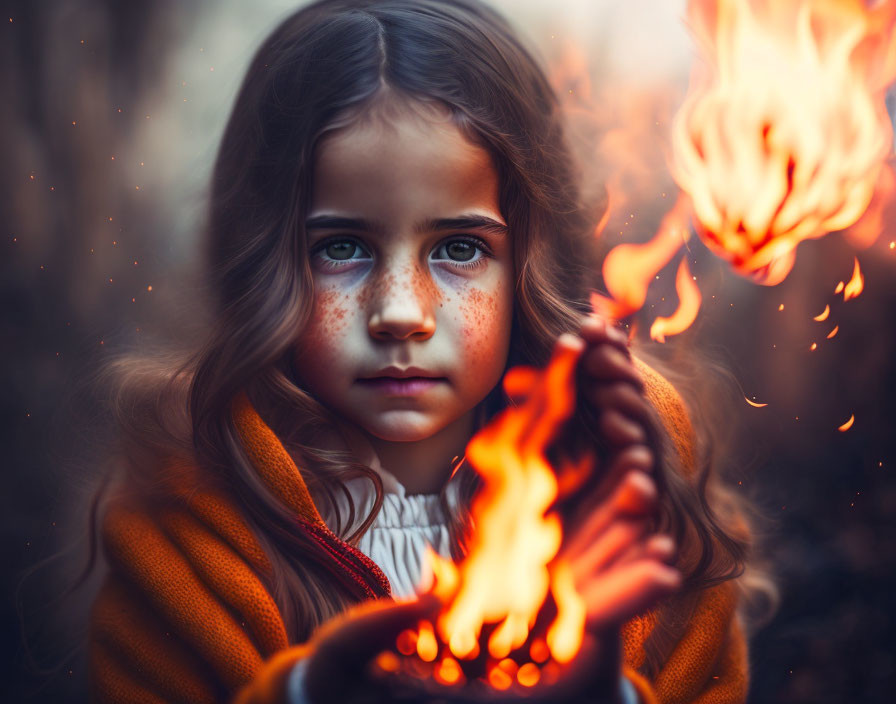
column 609, row 382
column 338, row 669
column 620, row 570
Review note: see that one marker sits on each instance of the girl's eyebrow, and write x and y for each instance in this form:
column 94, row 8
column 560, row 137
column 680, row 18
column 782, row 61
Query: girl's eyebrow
column 461, row 222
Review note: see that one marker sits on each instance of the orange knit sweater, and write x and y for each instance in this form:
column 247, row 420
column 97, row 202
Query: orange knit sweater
column 183, row 615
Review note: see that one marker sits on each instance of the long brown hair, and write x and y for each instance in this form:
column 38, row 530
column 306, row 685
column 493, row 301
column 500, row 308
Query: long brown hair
column 317, row 72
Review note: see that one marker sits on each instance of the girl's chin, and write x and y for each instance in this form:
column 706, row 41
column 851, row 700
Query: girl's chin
column 404, row 426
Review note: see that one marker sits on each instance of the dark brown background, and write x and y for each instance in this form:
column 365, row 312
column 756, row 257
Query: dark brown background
column 84, row 236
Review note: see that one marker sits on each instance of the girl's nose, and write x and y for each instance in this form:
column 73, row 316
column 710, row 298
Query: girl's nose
column 403, row 310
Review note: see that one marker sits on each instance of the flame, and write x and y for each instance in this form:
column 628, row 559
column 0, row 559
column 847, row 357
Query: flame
column 848, row 424
column 629, row 269
column 511, row 567
column 856, row 284
column 839, row 287
column 689, row 300
column 528, row 674
column 834, row 331
column 754, row 404
column 823, row 315
column 784, row 132
column 448, row 671
column 866, row 230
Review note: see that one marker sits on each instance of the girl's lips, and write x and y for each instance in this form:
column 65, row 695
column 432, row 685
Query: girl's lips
column 409, row 386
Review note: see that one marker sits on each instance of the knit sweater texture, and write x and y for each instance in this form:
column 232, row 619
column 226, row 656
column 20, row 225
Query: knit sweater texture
column 184, row 616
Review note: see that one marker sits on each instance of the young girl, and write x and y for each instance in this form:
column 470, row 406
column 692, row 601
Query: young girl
column 395, row 221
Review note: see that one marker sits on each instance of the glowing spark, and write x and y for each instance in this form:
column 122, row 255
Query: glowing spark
column 754, row 404
column 848, row 424
column 834, row 331
column 856, row 284
column 823, row 315
column 814, row 346
column 839, row 287
column 781, row 307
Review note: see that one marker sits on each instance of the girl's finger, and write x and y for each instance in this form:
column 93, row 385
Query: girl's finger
column 634, row 457
column 635, row 496
column 608, row 363
column 657, row 547
column 597, row 331
column 619, row 430
column 628, row 590
column 621, row 538
column 622, row 397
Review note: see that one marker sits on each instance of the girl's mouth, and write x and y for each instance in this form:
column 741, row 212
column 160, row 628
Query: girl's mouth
column 408, row 386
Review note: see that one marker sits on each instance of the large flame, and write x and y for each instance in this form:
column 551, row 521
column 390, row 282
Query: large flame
column 493, row 597
column 785, row 131
column 783, row 137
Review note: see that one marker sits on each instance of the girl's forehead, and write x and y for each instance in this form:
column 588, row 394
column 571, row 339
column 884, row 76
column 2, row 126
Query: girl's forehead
column 402, row 160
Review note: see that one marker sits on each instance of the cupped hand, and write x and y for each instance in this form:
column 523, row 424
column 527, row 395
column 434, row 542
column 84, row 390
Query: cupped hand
column 339, row 668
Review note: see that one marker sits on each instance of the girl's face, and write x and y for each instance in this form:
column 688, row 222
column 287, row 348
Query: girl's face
column 413, row 276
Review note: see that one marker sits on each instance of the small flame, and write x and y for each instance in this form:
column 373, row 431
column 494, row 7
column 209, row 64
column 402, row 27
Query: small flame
column 823, row 315
column 839, row 287
column 427, row 647
column 528, row 674
column 784, row 134
column 448, row 671
column 754, row 404
column 856, row 284
column 834, row 331
column 689, row 304
column 848, row 424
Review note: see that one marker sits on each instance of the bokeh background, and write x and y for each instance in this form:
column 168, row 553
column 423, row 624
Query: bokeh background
column 109, row 118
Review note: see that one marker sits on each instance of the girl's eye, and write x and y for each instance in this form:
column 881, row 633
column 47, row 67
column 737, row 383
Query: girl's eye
column 337, row 252
column 341, row 250
column 466, row 253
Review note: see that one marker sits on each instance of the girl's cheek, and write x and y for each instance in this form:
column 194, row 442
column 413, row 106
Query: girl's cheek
column 329, row 320
column 482, row 323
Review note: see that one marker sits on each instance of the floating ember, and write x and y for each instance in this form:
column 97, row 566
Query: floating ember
column 510, row 610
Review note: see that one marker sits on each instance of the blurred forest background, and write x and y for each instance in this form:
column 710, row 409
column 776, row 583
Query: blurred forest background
column 109, row 119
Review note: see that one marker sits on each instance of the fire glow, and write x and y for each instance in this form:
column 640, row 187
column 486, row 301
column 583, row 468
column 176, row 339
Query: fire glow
column 783, row 137
column 491, row 625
